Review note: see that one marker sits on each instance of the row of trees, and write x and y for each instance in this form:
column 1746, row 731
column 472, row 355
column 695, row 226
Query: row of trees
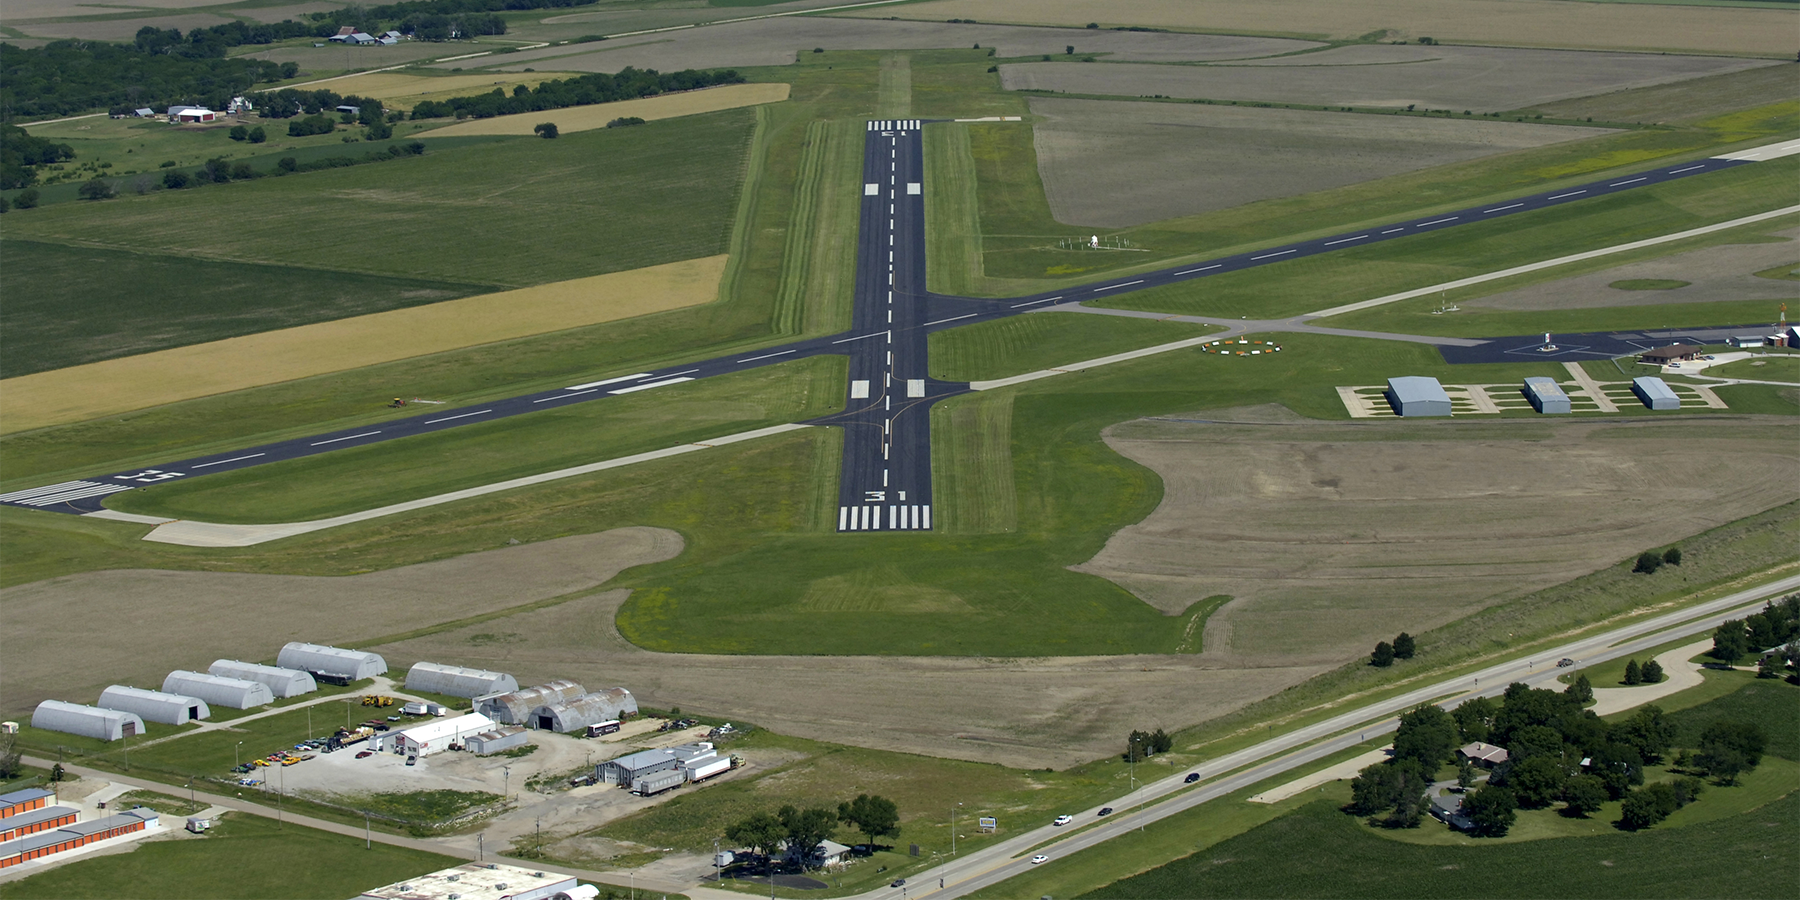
column 67, row 77
column 219, row 171
column 600, row 87
column 1403, row 647
column 412, row 17
column 803, row 830
column 1776, row 625
column 1651, row 672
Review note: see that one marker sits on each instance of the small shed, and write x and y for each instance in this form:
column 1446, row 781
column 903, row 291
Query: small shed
column 1417, row 395
column 497, row 740
column 217, row 690
column 456, row 681
column 155, row 706
column 353, row 664
column 515, row 708
column 1662, row 356
column 87, row 721
column 1546, row 396
column 1655, row 393
column 144, row 112
column 283, row 683
column 589, row 709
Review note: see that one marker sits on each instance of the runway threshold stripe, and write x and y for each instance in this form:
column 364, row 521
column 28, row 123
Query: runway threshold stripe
column 349, row 437
column 220, row 462
column 547, row 399
column 462, row 416
column 843, row 517
column 49, row 488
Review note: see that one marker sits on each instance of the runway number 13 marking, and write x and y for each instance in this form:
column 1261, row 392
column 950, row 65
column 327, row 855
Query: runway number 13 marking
column 149, row 475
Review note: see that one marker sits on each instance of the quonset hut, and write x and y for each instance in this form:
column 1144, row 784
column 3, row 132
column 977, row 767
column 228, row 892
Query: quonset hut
column 233, row 693
column 283, row 683
column 515, row 708
column 590, row 709
column 87, row 721
column 457, row 681
column 1417, row 395
column 1546, row 396
column 154, row 706
column 318, row 659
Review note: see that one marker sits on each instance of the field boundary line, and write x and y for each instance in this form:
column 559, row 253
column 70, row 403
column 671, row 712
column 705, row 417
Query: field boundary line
column 1551, row 263
column 216, row 534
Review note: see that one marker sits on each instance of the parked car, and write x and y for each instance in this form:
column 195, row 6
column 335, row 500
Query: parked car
column 365, row 754
column 1192, row 777
column 412, row 760
column 1040, row 858
column 1106, row 810
column 1063, row 820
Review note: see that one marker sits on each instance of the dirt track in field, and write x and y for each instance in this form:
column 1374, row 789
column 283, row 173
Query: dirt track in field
column 1114, row 164
column 1334, row 536
column 1714, row 274
column 68, row 638
column 84, row 392
column 587, row 118
column 1516, row 23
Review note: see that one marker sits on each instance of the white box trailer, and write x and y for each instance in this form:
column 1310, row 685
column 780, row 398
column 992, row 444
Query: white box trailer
column 709, row 768
column 657, row 783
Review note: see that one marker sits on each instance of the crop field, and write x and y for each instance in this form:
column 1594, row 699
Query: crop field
column 1713, row 275
column 244, row 857
column 1119, row 164
column 1682, row 101
column 587, row 118
column 220, row 621
column 1332, row 536
column 64, row 308
column 1481, row 79
column 249, row 360
column 518, row 212
column 774, row 42
column 1600, row 26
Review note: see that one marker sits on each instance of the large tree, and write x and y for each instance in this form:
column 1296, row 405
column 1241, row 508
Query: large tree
column 873, row 816
column 760, row 832
column 1490, row 811
column 1648, row 731
column 1537, row 782
column 1730, row 642
column 1383, row 655
column 806, row 828
column 1583, row 795
column 1473, row 718
column 1428, row 735
column 1405, row 646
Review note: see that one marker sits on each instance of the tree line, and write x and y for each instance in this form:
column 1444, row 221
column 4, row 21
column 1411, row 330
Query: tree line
column 803, row 830
column 1777, row 626
column 67, row 77
column 628, row 84
column 1557, row 752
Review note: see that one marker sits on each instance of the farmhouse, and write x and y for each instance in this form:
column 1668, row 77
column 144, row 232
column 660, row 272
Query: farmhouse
column 87, row 721
column 1655, row 393
column 155, row 706
column 515, row 708
column 1546, row 396
column 316, row 658
column 235, row 693
column 1662, row 356
column 457, row 681
column 1417, row 395
column 1484, row 755
column 283, row 683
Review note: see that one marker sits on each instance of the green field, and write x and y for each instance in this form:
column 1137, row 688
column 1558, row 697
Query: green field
column 1772, row 703
column 1042, row 341
column 1784, row 368
column 243, row 857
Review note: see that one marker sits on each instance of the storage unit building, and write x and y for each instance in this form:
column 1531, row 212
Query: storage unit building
column 352, row 664
column 1417, row 395
column 631, row 767
column 588, row 709
column 283, row 683
column 37, row 820
column 497, row 740
column 1546, row 396
column 515, row 708
column 457, row 681
column 155, row 706
column 1654, row 392
column 87, row 721
column 217, row 690
column 25, row 801
column 435, row 736
column 79, row 834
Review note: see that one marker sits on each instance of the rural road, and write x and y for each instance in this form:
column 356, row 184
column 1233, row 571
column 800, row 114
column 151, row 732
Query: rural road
column 917, row 315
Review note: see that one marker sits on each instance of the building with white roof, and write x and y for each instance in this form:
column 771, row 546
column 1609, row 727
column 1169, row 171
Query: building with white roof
column 155, row 706
column 434, row 736
column 479, row 881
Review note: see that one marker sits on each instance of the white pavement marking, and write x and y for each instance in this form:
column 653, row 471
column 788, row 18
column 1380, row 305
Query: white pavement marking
column 654, row 384
column 548, row 399
column 209, row 534
column 1569, row 194
column 458, row 416
column 348, row 437
column 912, row 187
column 1550, row 263
column 1091, row 363
column 1773, row 151
column 1338, row 241
column 1437, row 221
column 1192, row 271
column 870, row 190
column 915, row 387
column 1630, row 181
column 766, row 356
column 869, row 335
column 1045, row 300
column 1502, row 208
column 595, row 384
column 859, row 389
column 1120, row 285
column 1688, row 169
column 220, row 462
column 951, row 319
column 1272, row 255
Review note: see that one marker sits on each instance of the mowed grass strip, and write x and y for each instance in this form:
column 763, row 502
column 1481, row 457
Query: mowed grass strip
column 512, row 213
column 366, row 477
column 586, row 118
column 1044, row 341
column 169, row 376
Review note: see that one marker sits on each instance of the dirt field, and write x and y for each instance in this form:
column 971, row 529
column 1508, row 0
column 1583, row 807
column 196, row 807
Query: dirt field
column 188, row 619
column 1332, row 537
column 1020, row 712
column 115, row 29
column 773, row 42
column 1714, row 274
column 1520, row 23
column 1481, row 79
column 166, row 376
column 398, row 90
column 1115, row 164
column 585, row 118
column 1686, row 101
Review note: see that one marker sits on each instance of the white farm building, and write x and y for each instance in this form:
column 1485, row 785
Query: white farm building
column 436, row 735
column 457, row 681
column 316, row 658
column 87, row 721
column 233, row 693
column 154, row 706
column 283, row 683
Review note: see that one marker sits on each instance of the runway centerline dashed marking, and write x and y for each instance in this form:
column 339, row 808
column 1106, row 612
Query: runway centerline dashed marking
column 1273, row 255
column 1111, row 287
column 221, row 462
column 350, row 437
column 458, row 416
column 767, row 356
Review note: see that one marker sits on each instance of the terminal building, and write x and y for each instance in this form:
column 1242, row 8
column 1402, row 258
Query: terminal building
column 1547, row 396
column 1417, row 395
column 155, row 706
column 435, row 736
column 283, row 683
column 217, row 690
column 456, row 681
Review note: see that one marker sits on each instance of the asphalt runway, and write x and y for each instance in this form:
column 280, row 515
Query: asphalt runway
column 1590, row 345
column 886, row 482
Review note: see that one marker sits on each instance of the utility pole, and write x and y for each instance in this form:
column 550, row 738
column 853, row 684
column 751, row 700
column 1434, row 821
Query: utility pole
column 368, row 839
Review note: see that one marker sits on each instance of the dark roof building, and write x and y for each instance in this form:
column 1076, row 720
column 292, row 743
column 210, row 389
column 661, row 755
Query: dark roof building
column 1669, row 354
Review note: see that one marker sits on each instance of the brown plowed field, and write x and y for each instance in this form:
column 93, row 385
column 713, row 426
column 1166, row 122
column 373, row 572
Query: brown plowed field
column 1714, row 274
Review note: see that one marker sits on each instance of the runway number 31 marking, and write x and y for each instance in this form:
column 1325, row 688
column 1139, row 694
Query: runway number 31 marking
column 148, row 475
column 874, row 496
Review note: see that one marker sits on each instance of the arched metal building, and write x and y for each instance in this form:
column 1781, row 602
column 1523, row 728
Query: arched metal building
column 154, row 706
column 233, row 693
column 352, row 664
column 515, row 708
column 457, row 681
column 87, row 721
column 283, row 683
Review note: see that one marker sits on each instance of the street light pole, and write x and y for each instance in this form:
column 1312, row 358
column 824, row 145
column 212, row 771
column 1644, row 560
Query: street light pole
column 235, row 762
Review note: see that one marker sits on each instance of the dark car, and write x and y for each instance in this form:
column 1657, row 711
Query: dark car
column 364, row 754
column 898, row 882
column 1106, row 810
column 1192, row 777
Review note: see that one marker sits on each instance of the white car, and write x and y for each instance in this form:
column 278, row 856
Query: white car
column 1040, row 858
column 1063, row 820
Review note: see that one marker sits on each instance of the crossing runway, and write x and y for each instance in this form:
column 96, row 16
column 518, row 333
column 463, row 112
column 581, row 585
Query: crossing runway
column 886, row 476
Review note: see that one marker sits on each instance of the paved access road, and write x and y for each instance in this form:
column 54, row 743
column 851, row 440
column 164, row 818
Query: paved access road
column 887, row 448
